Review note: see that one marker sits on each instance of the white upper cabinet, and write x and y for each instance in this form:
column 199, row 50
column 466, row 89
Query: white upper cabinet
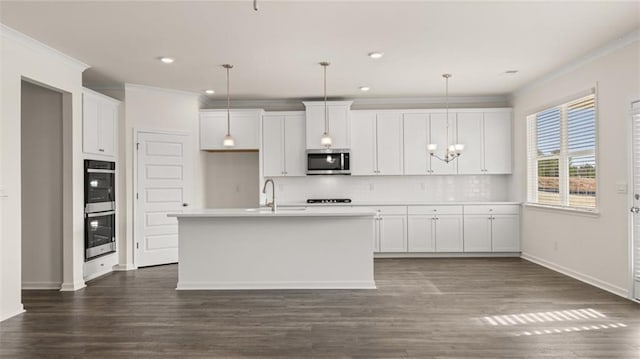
column 470, row 129
column 338, row 113
column 440, row 136
column 283, row 144
column 416, row 139
column 377, row 143
column 421, row 129
column 99, row 123
column 497, row 142
column 487, row 140
column 245, row 129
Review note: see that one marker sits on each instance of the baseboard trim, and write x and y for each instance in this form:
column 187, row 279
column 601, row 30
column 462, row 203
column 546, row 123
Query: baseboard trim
column 13, row 313
column 274, row 285
column 41, row 285
column 611, row 288
column 72, row 287
column 124, row 267
column 447, row 255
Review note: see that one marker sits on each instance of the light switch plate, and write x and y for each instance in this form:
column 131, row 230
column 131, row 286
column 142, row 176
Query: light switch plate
column 621, row 187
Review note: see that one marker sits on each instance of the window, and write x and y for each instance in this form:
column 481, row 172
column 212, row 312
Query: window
column 562, row 155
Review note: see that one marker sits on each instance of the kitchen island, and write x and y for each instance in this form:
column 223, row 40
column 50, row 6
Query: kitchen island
column 292, row 248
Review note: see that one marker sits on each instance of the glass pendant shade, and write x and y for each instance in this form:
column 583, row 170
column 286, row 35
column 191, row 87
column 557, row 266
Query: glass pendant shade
column 228, row 141
column 326, row 140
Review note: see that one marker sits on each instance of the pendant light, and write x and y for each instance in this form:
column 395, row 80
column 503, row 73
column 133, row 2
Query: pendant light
column 228, row 140
column 325, row 140
column 453, row 151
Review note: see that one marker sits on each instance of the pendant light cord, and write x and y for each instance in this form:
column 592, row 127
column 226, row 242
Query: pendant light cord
column 446, row 76
column 228, row 104
column 326, row 121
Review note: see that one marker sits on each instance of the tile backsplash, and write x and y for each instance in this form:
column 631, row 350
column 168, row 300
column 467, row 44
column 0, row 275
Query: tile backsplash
column 394, row 188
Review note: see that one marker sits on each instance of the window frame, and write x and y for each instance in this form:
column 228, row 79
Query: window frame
column 563, row 156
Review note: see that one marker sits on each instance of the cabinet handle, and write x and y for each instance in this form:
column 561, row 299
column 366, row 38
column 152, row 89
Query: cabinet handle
column 101, row 149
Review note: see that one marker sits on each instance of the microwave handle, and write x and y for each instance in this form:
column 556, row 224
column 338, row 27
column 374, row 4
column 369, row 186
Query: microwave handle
column 100, row 214
column 342, row 161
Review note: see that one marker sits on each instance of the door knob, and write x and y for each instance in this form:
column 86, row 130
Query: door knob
column 635, row 209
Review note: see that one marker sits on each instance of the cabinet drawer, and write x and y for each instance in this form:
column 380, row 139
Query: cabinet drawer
column 435, row 210
column 385, row 210
column 494, row 209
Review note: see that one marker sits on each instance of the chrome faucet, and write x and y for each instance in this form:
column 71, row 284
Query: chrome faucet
column 271, row 204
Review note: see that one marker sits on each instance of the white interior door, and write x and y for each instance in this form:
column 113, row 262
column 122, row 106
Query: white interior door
column 164, row 178
column 636, row 203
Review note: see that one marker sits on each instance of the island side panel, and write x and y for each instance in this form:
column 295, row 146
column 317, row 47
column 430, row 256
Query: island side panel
column 276, row 253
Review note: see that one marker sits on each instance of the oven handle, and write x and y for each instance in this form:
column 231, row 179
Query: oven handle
column 90, row 170
column 100, row 214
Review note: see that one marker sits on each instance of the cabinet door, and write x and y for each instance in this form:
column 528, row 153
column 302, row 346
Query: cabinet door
column 420, row 233
column 245, row 129
column 339, row 126
column 107, row 120
column 477, row 233
column 448, row 233
column 506, row 233
column 339, row 123
column 376, row 236
column 497, row 142
column 363, row 144
column 213, row 127
column 295, row 160
column 438, row 135
column 90, row 125
column 273, row 146
column 393, row 233
column 470, row 134
column 416, row 139
column 389, row 139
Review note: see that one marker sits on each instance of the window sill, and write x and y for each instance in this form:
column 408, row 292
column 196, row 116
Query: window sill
column 566, row 210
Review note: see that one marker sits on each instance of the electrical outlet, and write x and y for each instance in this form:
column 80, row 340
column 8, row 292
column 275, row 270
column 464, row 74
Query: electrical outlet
column 371, row 187
column 621, row 187
column 423, row 186
column 555, row 246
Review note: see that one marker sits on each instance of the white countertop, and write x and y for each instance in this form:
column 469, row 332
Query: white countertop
column 280, row 212
column 383, row 203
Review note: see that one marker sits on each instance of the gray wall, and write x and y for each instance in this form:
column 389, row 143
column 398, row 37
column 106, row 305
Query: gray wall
column 232, row 179
column 41, row 144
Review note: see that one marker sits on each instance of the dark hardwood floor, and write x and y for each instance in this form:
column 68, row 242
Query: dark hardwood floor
column 423, row 308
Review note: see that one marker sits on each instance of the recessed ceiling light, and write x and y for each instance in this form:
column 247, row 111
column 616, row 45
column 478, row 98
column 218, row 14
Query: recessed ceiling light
column 209, row 92
column 376, row 55
column 511, row 72
column 365, row 88
column 167, row 60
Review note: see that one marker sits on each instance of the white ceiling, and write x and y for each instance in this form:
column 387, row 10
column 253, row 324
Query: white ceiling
column 277, row 49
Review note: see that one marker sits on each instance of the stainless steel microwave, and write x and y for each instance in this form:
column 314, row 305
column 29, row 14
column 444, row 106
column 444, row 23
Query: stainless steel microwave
column 331, row 161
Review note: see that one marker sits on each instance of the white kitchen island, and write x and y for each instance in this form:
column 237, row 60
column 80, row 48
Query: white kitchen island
column 293, row 248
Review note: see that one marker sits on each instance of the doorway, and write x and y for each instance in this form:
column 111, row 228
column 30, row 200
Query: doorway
column 163, row 171
column 42, row 186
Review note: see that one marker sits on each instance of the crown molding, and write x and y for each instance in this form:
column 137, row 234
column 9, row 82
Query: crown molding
column 38, row 46
column 131, row 86
column 372, row 103
column 612, row 46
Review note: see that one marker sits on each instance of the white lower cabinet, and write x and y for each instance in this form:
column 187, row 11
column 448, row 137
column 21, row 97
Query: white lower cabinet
column 391, row 228
column 435, row 228
column 492, row 228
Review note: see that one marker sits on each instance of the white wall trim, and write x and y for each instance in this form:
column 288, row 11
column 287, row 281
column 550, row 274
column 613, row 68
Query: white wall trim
column 130, row 86
column 612, row 46
column 275, row 285
column 98, row 274
column 72, row 287
column 623, row 292
column 101, row 96
column 36, row 45
column 13, row 313
column 41, row 285
column 124, row 267
column 448, row 255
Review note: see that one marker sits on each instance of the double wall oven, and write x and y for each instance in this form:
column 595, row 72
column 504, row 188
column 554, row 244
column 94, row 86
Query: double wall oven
column 99, row 208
